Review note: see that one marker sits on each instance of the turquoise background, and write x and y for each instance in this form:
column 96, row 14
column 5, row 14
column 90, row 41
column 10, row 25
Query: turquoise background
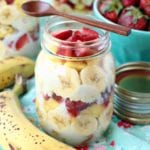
column 135, row 137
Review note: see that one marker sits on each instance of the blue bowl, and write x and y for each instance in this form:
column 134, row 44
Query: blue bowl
column 135, row 47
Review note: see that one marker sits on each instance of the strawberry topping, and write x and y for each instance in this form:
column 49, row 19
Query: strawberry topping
column 63, row 35
column 22, row 41
column 74, row 107
column 132, row 17
column 75, row 47
column 127, row 3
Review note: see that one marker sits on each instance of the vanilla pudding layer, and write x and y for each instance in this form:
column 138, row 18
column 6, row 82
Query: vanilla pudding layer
column 74, row 99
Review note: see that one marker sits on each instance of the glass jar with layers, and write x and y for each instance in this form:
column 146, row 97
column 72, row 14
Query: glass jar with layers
column 19, row 33
column 74, row 81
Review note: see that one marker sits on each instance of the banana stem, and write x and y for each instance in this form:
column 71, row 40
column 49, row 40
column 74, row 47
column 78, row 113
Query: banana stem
column 20, row 85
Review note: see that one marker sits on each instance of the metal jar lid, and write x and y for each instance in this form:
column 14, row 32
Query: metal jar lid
column 132, row 105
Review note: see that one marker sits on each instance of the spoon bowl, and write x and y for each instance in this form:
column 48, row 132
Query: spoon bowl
column 41, row 9
column 37, row 8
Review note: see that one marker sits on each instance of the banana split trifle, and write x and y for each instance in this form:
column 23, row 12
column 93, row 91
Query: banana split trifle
column 19, row 33
column 74, row 82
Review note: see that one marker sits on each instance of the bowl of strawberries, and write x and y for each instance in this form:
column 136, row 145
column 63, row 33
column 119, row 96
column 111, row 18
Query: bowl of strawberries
column 134, row 14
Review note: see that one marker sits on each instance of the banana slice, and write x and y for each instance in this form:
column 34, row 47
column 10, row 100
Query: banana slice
column 8, row 14
column 50, row 104
column 85, row 125
column 96, row 61
column 106, row 116
column 87, row 2
column 75, row 2
column 65, row 8
column 76, row 65
column 80, row 7
column 6, row 30
column 94, row 110
column 86, row 94
column 67, row 81
column 58, row 121
column 94, row 76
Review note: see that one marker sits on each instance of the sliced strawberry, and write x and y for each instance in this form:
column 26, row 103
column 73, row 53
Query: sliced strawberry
column 63, row 35
column 127, row 3
column 82, row 52
column 65, row 51
column 22, row 41
column 9, row 2
column 74, row 107
column 88, row 35
column 77, row 36
column 59, row 99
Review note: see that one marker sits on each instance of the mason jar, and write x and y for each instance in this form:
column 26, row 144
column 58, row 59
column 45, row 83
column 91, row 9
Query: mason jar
column 19, row 33
column 74, row 82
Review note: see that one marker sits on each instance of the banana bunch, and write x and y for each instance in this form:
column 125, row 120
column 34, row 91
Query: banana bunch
column 18, row 133
column 14, row 65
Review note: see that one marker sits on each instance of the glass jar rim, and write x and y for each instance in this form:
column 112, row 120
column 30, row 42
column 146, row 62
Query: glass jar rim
column 50, row 26
column 103, row 42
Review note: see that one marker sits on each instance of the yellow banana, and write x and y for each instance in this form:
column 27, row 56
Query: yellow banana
column 15, row 128
column 14, row 65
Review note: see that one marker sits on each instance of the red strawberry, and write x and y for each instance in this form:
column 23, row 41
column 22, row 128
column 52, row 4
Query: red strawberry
column 110, row 9
column 9, row 2
column 145, row 5
column 148, row 28
column 132, row 17
column 63, row 35
column 59, row 99
column 88, row 35
column 65, row 51
column 22, row 41
column 84, row 35
column 127, row 3
column 76, row 36
column 74, row 107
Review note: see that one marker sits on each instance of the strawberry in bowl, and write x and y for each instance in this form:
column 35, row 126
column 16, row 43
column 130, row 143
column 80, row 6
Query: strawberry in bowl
column 127, row 3
column 134, row 15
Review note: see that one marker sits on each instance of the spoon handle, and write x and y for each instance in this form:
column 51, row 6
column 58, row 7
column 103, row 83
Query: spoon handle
column 110, row 27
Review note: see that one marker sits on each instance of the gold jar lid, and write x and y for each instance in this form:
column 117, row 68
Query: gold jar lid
column 132, row 92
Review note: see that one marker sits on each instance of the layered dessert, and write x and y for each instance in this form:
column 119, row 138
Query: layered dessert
column 77, row 6
column 74, row 86
column 19, row 34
